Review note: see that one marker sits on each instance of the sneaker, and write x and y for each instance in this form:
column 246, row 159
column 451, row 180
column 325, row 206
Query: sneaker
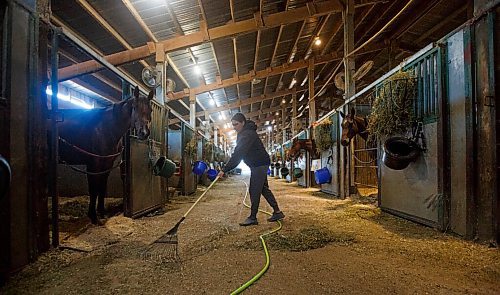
column 249, row 221
column 276, row 216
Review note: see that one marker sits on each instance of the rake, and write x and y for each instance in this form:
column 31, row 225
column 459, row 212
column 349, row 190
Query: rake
column 165, row 248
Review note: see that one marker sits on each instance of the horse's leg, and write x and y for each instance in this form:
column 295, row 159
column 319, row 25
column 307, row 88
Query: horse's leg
column 103, row 186
column 93, row 191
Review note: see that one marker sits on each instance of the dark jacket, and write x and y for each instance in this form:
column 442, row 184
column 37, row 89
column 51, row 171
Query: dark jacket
column 249, row 148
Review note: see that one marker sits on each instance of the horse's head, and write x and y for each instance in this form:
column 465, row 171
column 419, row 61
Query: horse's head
column 141, row 114
column 351, row 125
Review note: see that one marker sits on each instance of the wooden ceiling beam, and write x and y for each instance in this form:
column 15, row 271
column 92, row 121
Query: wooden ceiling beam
column 312, row 9
column 95, row 15
column 271, row 71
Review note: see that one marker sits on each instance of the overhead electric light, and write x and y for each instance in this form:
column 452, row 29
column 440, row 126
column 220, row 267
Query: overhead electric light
column 197, row 70
column 277, row 113
column 269, row 128
column 317, row 41
column 283, row 101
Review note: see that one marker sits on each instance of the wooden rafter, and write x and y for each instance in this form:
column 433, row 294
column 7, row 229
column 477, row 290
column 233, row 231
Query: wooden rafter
column 150, row 34
column 292, row 52
column 255, row 99
column 206, row 35
column 259, row 74
column 66, row 27
column 275, row 50
column 97, row 16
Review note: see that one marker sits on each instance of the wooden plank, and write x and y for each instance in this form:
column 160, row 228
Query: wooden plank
column 197, row 38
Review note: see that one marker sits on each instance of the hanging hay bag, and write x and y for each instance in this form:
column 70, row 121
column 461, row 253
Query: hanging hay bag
column 322, row 176
column 399, row 152
column 199, row 167
column 163, row 167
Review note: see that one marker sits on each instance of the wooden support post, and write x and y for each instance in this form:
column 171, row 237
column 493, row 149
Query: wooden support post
column 294, row 112
column 216, row 136
column 345, row 152
column 192, row 109
column 487, row 211
column 312, row 101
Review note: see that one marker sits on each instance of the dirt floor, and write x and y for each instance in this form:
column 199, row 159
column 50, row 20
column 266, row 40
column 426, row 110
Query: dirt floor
column 326, row 246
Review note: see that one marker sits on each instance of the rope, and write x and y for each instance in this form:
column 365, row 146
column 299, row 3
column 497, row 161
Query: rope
column 261, row 237
column 89, row 153
column 92, row 173
column 363, row 162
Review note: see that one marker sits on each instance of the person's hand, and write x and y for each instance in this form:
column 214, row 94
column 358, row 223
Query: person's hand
column 221, row 174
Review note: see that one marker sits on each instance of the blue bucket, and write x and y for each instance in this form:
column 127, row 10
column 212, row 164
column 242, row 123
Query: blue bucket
column 212, row 174
column 322, row 176
column 268, row 171
column 199, row 167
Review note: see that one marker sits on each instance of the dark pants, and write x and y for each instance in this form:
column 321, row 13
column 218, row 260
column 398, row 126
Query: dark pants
column 259, row 186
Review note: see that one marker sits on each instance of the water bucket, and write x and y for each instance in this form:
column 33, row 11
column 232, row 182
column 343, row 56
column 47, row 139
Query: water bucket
column 199, row 167
column 212, row 174
column 399, row 152
column 322, row 176
column 297, row 173
column 284, row 171
column 268, row 171
column 164, row 167
column 277, row 165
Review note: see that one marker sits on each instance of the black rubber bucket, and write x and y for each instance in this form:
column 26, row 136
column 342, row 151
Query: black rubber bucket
column 399, row 152
column 284, row 171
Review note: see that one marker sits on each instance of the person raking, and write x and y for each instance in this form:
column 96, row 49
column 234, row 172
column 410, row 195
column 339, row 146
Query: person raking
column 250, row 149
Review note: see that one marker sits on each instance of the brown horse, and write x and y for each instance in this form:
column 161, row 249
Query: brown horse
column 352, row 125
column 93, row 138
column 302, row 144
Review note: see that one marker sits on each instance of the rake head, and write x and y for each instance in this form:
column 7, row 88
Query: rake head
column 165, row 248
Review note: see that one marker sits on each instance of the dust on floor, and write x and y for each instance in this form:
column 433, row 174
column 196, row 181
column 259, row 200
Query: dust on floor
column 326, row 246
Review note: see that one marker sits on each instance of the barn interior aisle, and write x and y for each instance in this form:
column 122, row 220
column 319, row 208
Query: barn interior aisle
column 326, row 246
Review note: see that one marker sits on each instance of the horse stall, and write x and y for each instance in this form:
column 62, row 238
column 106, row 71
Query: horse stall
column 415, row 192
column 182, row 150
column 364, row 163
column 326, row 135
column 146, row 192
column 302, row 162
column 23, row 116
column 201, row 154
column 287, row 162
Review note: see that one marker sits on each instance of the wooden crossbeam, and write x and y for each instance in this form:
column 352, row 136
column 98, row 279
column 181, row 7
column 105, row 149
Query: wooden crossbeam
column 271, row 71
column 203, row 36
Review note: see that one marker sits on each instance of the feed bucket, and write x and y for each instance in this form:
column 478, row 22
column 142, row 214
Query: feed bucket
column 297, row 173
column 322, row 176
column 212, row 174
column 199, row 167
column 399, row 152
column 163, row 167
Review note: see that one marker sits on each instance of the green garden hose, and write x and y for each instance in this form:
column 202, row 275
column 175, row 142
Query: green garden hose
column 266, row 266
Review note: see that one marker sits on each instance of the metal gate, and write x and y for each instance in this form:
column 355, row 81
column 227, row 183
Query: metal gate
column 364, row 153
column 146, row 191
